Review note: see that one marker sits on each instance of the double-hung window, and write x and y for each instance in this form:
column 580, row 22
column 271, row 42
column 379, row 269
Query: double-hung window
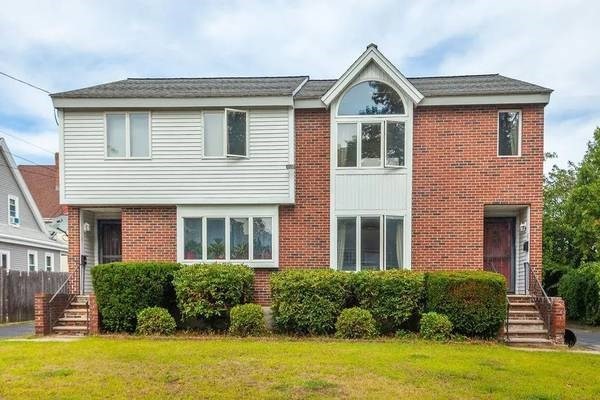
column 370, row 242
column 226, row 133
column 49, row 262
column 128, row 135
column 4, row 259
column 228, row 238
column 32, row 260
column 509, row 133
column 13, row 211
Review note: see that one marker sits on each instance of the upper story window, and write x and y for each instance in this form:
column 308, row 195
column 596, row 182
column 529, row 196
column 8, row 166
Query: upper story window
column 371, row 98
column 128, row 135
column 509, row 133
column 226, row 133
column 13, row 210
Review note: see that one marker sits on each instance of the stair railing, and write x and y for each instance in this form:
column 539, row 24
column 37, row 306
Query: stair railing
column 539, row 296
column 54, row 316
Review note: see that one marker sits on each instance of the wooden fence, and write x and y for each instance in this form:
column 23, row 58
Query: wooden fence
column 18, row 288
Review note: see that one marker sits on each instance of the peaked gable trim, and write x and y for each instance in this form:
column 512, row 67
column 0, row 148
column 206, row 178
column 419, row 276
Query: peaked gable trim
column 372, row 54
column 23, row 186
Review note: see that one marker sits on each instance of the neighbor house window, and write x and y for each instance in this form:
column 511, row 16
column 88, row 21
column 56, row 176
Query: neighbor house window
column 13, row 210
column 128, row 135
column 377, row 245
column 32, row 261
column 509, row 132
column 226, row 133
column 4, row 259
column 228, row 238
column 49, row 262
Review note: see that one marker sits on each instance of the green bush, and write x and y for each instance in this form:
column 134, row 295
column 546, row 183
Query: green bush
column 435, row 326
column 475, row 301
column 552, row 273
column 355, row 323
column 580, row 289
column 247, row 320
column 308, row 301
column 124, row 289
column 393, row 297
column 155, row 321
column 209, row 291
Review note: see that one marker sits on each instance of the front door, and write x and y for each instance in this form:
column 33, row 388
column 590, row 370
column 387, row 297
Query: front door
column 109, row 241
column 499, row 248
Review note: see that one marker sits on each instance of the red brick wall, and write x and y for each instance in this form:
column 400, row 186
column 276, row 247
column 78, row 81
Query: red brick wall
column 456, row 172
column 74, row 248
column 304, row 227
column 149, row 233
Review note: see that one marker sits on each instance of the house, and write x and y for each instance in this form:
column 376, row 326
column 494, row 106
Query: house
column 24, row 241
column 371, row 170
column 43, row 184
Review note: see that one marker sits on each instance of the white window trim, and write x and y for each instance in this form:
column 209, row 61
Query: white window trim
column 17, row 211
column 228, row 212
column 225, row 141
column 382, row 237
column 51, row 255
column 520, row 129
column 128, row 135
column 7, row 254
column 226, row 156
column 35, row 260
column 345, row 92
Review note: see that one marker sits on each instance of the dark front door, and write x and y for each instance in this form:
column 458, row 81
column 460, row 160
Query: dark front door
column 109, row 241
column 499, row 248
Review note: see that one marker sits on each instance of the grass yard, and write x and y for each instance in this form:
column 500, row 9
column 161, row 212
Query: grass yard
column 132, row 368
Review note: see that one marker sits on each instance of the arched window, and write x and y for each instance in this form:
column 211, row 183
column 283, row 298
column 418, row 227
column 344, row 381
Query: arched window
column 371, row 98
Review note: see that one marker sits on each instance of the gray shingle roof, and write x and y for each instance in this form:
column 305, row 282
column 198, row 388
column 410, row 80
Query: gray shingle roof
column 189, row 87
column 493, row 84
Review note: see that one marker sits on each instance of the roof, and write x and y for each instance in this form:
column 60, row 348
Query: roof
column 190, row 87
column 42, row 181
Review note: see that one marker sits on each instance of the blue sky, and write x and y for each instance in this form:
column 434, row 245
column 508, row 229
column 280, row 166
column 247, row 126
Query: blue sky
column 61, row 45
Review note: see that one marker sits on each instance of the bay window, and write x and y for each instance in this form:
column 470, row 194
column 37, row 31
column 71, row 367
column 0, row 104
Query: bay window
column 377, row 245
column 226, row 133
column 128, row 135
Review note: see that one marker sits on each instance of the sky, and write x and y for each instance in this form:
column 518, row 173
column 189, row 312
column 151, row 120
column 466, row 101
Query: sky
column 62, row 45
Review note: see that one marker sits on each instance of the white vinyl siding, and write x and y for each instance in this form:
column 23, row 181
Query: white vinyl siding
column 5, row 259
column 178, row 172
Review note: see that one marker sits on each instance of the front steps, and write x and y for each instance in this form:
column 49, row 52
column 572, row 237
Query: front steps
column 75, row 319
column 525, row 326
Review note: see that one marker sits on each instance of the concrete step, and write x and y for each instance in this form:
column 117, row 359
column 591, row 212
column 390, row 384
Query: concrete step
column 522, row 306
column 529, row 342
column 73, row 319
column 515, row 333
column 76, row 304
column 72, row 322
column 526, row 323
column 70, row 329
column 523, row 314
column 519, row 298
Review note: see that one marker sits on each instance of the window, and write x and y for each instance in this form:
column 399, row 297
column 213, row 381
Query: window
column 4, row 259
column 394, row 144
column 347, row 146
column 128, row 135
column 49, row 262
column 509, row 132
column 228, row 238
column 32, row 260
column 371, row 98
column 226, row 133
column 371, row 145
column 370, row 248
column 13, row 210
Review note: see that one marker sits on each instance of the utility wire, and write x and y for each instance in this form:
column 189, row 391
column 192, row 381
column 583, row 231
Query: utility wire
column 26, row 141
column 24, row 82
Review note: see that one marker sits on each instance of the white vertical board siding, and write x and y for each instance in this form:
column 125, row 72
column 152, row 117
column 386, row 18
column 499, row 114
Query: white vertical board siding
column 88, row 247
column 371, row 192
column 522, row 256
column 177, row 172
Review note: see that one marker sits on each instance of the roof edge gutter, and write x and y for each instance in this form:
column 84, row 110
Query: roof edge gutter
column 537, row 98
column 193, row 102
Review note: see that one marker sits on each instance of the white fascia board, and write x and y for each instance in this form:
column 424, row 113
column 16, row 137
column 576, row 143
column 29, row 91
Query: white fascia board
column 486, row 100
column 309, row 103
column 173, row 200
column 372, row 54
column 32, row 242
column 107, row 103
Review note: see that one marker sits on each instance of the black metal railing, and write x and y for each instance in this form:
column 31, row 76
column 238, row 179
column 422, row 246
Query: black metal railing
column 55, row 313
column 539, row 297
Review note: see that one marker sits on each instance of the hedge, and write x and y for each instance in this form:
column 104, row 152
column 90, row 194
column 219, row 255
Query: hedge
column 474, row 301
column 580, row 289
column 308, row 301
column 155, row 321
column 124, row 289
column 355, row 323
column 393, row 297
column 209, row 291
column 247, row 320
column 434, row 326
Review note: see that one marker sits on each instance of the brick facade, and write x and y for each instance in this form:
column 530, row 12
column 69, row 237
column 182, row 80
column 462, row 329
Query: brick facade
column 46, row 313
column 73, row 260
column 456, row 172
column 149, row 233
column 559, row 320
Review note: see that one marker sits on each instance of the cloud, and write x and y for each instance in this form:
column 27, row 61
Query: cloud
column 62, row 45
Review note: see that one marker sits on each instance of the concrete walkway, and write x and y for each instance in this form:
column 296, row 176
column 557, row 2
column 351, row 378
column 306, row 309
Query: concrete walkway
column 587, row 336
column 16, row 329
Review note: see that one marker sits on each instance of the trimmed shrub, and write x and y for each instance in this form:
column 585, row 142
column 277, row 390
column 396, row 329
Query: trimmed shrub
column 475, row 301
column 435, row 326
column 155, row 321
column 355, row 323
column 308, row 301
column 209, row 291
column 124, row 289
column 247, row 320
column 393, row 297
column 552, row 273
column 580, row 289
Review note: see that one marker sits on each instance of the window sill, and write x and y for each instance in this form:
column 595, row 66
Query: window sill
column 127, row 158
column 256, row 264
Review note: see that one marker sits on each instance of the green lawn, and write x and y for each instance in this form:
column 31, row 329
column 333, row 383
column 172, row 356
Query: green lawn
column 278, row 368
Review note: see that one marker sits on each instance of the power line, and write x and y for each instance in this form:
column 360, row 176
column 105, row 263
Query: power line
column 24, row 82
column 26, row 141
